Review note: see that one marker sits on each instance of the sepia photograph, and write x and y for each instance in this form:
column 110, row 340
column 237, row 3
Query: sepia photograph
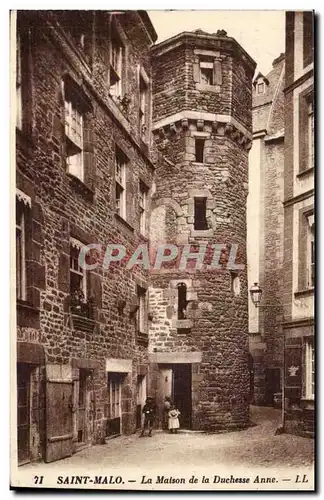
column 163, row 265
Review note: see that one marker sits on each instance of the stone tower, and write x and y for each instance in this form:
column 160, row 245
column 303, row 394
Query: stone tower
column 202, row 126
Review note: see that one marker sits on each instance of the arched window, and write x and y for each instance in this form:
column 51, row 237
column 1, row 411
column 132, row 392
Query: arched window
column 182, row 300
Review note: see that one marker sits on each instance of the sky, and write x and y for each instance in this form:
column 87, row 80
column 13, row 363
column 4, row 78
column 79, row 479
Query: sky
column 261, row 33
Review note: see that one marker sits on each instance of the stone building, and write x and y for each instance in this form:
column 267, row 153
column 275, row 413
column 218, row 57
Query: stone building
column 299, row 225
column 92, row 173
column 202, row 127
column 83, row 175
column 265, row 233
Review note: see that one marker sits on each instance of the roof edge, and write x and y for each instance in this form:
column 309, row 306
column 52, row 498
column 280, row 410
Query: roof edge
column 148, row 24
column 208, row 36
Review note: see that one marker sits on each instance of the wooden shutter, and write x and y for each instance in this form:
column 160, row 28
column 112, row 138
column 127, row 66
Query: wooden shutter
column 58, row 412
column 217, row 72
column 89, row 159
column 293, row 359
column 63, row 272
column 94, row 288
column 196, row 72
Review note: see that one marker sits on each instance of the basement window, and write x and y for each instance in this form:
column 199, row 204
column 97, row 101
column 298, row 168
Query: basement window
column 199, row 150
column 200, row 220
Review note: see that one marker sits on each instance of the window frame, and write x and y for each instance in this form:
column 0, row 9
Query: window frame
column 143, row 197
column 310, row 132
column 114, row 386
column 200, row 140
column 141, row 318
column 260, row 85
column 310, row 251
column 309, row 375
column 120, row 182
column 116, row 67
column 143, row 105
column 203, row 221
column 73, row 117
column 182, row 302
column 203, row 66
column 77, row 245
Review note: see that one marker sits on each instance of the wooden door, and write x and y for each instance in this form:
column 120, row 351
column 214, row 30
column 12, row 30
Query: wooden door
column 82, row 406
column 58, row 418
column 114, row 404
column 140, row 399
column 23, row 413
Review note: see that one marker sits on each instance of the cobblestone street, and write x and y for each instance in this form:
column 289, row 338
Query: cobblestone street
column 254, row 447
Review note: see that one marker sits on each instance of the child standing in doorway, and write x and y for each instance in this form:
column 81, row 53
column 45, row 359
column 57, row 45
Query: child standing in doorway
column 174, row 419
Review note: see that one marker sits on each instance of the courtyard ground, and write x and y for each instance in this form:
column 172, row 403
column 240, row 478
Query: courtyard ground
column 253, row 449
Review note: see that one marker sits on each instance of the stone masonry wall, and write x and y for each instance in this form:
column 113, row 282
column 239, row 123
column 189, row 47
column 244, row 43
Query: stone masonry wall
column 71, row 209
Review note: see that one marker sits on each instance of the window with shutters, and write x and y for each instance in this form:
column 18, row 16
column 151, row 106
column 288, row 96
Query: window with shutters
column 117, row 64
column 143, row 191
column 200, row 219
column 78, row 135
column 309, row 370
column 207, row 72
column 74, row 137
column 121, row 162
column 306, row 130
column 143, row 111
column 78, row 281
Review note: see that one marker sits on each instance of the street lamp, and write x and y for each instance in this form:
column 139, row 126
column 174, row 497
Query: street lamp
column 256, row 294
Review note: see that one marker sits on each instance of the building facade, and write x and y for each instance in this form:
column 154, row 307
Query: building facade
column 83, row 176
column 265, row 235
column 123, row 146
column 202, row 127
column 299, row 225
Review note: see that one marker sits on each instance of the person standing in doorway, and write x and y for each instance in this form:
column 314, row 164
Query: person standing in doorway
column 149, row 411
column 174, row 419
column 166, row 408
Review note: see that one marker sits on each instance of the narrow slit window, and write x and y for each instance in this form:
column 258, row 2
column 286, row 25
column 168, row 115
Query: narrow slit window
column 199, row 150
column 182, row 300
column 200, row 221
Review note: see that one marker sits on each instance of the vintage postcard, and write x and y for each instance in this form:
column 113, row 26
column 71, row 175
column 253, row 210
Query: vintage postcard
column 164, row 273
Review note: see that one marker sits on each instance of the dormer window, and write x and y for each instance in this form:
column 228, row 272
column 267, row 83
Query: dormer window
column 260, row 88
column 260, row 84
